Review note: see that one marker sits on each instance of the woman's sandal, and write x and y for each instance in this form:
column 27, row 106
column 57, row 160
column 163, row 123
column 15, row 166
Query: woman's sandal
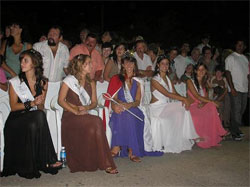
column 57, row 165
column 113, row 154
column 134, row 158
column 110, row 170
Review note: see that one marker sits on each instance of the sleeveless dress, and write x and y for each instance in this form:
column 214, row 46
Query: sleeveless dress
column 84, row 139
column 28, row 145
column 127, row 130
column 207, row 123
column 12, row 59
column 172, row 126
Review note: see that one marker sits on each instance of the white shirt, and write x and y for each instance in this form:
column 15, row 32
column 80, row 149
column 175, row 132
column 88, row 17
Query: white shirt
column 238, row 65
column 143, row 64
column 53, row 67
column 200, row 46
column 180, row 64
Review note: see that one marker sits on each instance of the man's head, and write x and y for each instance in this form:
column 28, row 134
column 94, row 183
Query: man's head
column 173, row 52
column 91, row 41
column 185, row 48
column 152, row 51
column 55, row 35
column 83, row 34
column 205, row 39
column 240, row 46
column 195, row 54
column 140, row 47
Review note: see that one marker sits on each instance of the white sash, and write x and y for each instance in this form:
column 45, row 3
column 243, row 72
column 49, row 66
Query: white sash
column 201, row 92
column 73, row 84
column 168, row 87
column 22, row 90
column 127, row 94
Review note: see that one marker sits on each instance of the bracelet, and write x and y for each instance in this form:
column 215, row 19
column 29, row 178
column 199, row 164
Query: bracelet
column 27, row 105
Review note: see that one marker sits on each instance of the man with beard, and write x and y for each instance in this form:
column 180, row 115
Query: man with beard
column 88, row 48
column 55, row 55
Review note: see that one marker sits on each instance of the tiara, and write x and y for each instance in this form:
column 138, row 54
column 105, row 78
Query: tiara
column 128, row 54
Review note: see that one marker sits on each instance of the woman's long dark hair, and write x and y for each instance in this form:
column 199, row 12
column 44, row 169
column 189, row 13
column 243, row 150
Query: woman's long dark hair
column 25, row 36
column 37, row 61
column 129, row 57
column 204, row 79
column 159, row 59
column 114, row 52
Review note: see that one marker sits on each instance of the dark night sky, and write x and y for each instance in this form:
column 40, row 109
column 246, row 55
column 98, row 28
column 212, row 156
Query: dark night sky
column 168, row 22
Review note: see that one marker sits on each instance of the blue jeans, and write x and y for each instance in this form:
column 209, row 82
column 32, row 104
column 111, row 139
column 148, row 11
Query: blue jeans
column 238, row 106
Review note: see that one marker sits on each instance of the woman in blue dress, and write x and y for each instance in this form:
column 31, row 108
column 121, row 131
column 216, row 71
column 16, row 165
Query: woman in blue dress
column 127, row 130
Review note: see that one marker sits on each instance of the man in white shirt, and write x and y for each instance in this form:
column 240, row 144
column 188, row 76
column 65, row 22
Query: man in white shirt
column 144, row 62
column 182, row 60
column 237, row 67
column 55, row 55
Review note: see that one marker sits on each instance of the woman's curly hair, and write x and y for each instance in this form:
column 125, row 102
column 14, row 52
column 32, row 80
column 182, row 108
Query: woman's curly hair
column 37, row 61
column 75, row 66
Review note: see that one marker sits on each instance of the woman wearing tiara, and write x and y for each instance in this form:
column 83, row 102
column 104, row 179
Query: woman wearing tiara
column 127, row 129
column 171, row 123
column 28, row 144
column 82, row 134
column 204, row 113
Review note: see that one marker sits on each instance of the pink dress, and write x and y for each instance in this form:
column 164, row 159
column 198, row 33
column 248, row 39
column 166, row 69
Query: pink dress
column 207, row 123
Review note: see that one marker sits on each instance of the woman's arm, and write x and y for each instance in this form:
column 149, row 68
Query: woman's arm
column 156, row 85
column 63, row 103
column 137, row 98
column 196, row 94
column 43, row 96
column 93, row 97
column 4, row 86
column 107, row 70
column 8, row 69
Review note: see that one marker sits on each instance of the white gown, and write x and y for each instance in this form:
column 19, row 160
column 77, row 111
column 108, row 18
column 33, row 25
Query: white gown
column 171, row 124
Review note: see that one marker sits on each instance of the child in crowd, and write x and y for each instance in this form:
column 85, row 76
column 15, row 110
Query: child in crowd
column 219, row 88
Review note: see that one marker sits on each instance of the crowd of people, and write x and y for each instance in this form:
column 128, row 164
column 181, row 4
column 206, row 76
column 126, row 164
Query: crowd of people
column 210, row 109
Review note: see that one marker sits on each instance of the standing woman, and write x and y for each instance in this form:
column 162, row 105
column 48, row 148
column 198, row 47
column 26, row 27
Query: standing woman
column 203, row 111
column 172, row 126
column 82, row 134
column 28, row 144
column 13, row 47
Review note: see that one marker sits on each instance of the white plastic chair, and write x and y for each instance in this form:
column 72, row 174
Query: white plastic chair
column 4, row 112
column 102, row 88
column 53, row 90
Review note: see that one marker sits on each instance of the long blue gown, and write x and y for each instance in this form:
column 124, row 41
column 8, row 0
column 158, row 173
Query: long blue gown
column 127, row 130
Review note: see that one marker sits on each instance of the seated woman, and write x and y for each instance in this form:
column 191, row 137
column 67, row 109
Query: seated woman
column 127, row 130
column 113, row 65
column 82, row 134
column 204, row 113
column 28, row 144
column 172, row 126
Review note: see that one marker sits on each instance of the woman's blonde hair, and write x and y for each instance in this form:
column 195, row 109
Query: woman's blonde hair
column 75, row 66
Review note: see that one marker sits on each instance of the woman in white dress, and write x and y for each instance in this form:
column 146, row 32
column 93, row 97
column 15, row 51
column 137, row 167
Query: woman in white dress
column 171, row 123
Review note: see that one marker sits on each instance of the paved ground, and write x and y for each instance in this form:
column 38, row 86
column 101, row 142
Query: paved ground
column 221, row 166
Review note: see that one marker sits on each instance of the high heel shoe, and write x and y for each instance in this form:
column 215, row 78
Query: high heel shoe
column 110, row 170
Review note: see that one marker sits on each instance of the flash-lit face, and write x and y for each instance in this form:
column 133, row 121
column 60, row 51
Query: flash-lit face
column 201, row 71
column 164, row 65
column 87, row 66
column 90, row 43
column 26, row 63
column 129, row 66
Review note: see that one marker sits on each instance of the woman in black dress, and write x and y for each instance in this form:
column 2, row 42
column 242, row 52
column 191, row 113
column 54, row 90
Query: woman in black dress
column 28, row 144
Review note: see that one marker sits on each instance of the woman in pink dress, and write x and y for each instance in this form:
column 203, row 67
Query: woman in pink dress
column 203, row 111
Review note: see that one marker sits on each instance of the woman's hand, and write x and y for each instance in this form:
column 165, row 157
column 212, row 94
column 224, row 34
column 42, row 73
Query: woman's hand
column 38, row 100
column 118, row 109
column 186, row 102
